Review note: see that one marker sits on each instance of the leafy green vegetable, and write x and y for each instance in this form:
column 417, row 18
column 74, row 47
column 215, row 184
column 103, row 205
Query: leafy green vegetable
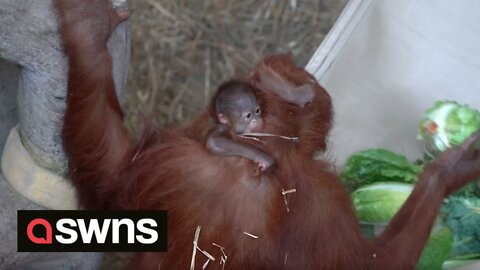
column 375, row 165
column 377, row 203
column 446, row 124
column 454, row 264
column 462, row 215
column 439, row 244
column 379, row 179
column 437, row 249
column 368, row 230
column 470, row 190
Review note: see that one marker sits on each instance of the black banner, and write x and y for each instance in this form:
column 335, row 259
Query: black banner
column 91, row 231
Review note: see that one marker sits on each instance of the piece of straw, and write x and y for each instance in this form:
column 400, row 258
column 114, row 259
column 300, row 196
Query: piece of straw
column 251, row 235
column 261, row 134
column 195, row 243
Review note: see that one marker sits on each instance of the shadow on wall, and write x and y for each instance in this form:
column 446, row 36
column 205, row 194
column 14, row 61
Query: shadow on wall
column 9, row 77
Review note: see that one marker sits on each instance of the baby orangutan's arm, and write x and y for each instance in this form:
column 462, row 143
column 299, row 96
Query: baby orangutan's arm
column 219, row 144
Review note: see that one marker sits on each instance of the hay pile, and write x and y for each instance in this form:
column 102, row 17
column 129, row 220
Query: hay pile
column 181, row 50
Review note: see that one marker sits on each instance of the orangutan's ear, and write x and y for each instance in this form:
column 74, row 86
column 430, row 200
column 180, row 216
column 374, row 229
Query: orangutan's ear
column 222, row 119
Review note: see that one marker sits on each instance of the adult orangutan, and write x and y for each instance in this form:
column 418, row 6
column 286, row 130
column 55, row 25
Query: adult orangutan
column 246, row 221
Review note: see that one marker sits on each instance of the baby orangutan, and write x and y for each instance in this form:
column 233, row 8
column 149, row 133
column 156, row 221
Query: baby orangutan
column 237, row 112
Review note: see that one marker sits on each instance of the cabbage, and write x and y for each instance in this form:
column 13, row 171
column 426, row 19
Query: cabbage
column 377, row 203
column 378, row 165
column 447, row 124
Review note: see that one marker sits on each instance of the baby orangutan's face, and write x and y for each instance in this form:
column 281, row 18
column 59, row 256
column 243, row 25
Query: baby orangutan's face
column 246, row 115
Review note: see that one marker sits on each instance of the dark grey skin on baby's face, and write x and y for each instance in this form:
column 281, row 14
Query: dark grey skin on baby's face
column 238, row 111
column 241, row 111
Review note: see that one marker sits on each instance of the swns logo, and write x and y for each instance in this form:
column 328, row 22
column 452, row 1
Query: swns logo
column 64, row 231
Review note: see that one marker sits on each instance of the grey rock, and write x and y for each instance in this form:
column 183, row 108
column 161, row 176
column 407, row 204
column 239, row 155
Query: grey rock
column 29, row 38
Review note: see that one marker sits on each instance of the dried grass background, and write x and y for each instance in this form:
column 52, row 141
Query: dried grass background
column 181, row 50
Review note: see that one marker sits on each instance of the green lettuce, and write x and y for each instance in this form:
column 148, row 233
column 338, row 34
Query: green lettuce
column 377, row 203
column 447, row 124
column 462, row 215
column 378, row 165
column 437, row 248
